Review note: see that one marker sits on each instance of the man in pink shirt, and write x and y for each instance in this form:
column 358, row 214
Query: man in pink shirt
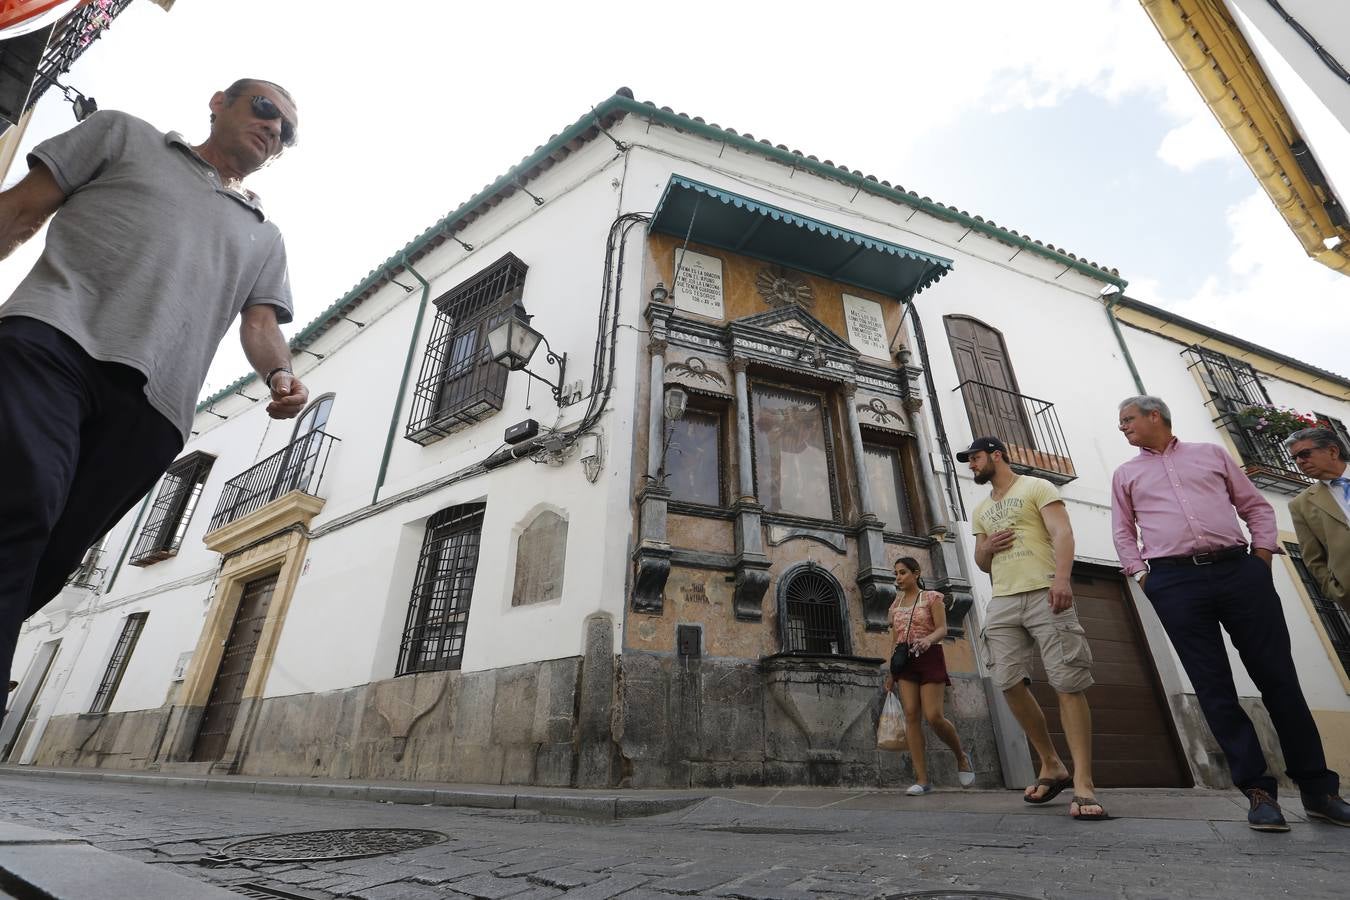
column 1174, row 512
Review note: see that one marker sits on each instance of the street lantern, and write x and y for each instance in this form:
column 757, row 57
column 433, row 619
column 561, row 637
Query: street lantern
column 513, row 343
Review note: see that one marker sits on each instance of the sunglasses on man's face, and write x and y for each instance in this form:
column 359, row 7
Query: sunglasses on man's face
column 1304, row 454
column 264, row 108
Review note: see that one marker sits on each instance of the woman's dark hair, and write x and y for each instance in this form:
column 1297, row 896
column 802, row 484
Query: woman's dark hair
column 910, row 563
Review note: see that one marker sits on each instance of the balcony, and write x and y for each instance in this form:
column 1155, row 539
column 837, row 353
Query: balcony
column 1028, row 427
column 1265, row 459
column 297, row 467
column 89, row 575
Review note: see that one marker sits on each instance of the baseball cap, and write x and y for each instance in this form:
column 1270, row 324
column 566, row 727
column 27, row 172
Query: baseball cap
column 982, row 445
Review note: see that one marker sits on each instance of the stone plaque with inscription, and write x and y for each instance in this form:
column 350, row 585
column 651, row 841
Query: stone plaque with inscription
column 698, row 283
column 866, row 327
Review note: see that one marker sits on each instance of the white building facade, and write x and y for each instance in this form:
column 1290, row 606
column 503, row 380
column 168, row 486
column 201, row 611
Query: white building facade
column 758, row 367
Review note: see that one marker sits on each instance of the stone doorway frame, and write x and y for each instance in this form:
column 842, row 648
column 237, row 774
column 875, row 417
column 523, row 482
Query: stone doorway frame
column 257, row 545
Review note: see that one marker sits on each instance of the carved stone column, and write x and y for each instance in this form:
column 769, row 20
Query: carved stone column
column 752, row 565
column 946, row 567
column 876, row 580
column 653, row 551
column 948, row 579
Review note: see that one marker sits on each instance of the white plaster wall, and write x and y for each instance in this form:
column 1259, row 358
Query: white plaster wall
column 1164, row 372
column 356, row 587
column 347, row 615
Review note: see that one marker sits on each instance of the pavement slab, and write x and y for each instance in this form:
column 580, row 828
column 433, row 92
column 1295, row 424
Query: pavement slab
column 736, row 843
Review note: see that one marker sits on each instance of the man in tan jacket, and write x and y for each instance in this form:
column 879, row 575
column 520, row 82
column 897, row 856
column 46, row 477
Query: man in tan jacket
column 1322, row 512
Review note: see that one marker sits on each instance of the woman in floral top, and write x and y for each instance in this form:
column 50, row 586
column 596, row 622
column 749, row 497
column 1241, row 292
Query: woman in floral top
column 921, row 618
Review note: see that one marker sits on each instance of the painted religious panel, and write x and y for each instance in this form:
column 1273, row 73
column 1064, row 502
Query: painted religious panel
column 792, row 454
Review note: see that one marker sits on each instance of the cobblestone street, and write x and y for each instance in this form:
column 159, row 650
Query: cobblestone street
column 738, row 844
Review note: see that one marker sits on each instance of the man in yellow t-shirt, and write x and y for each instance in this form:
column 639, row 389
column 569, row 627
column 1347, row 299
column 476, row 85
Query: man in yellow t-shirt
column 1024, row 540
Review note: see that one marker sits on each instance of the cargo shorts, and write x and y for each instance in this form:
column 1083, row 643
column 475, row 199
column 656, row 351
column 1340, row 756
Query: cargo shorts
column 1017, row 624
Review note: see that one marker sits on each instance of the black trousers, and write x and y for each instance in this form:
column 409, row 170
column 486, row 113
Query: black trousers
column 1238, row 595
column 79, row 446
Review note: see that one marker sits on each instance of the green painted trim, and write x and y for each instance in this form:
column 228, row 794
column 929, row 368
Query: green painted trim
column 1124, row 348
column 403, row 382
column 131, row 539
column 619, row 103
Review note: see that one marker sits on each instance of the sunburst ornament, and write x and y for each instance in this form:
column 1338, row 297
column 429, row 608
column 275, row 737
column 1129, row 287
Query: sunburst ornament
column 781, row 289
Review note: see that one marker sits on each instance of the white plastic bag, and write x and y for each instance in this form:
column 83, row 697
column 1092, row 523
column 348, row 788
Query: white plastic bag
column 891, row 725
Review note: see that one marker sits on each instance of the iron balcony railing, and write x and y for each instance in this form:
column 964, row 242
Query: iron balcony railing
column 1028, row 427
column 89, row 575
column 1264, row 458
column 299, row 466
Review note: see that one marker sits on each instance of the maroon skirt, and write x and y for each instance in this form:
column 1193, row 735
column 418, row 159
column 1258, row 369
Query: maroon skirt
column 929, row 667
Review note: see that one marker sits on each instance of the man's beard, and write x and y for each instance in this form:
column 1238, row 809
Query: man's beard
column 984, row 476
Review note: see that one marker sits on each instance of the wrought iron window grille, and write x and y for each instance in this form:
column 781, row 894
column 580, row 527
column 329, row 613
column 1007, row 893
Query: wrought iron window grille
column 1335, row 619
column 172, row 510
column 1233, row 386
column 299, row 466
column 459, row 383
column 117, row 665
column 811, row 614
column 438, row 611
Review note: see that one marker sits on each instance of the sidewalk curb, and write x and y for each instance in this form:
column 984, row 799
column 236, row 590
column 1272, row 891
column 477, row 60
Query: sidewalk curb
column 34, row 863
column 611, row 806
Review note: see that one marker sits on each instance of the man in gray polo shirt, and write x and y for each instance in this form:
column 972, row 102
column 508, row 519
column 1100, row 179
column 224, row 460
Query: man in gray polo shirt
column 155, row 247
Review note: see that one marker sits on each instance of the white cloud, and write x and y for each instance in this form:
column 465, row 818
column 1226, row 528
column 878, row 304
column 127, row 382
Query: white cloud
column 1270, row 293
column 1196, row 141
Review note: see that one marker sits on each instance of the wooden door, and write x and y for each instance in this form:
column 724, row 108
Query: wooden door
column 23, row 713
column 993, row 401
column 235, row 662
column 1134, row 741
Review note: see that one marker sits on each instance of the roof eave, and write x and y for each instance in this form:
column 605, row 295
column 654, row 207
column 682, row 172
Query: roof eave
column 1228, row 74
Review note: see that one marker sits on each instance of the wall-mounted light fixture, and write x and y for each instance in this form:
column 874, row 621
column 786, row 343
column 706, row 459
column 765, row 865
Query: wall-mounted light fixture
column 513, row 342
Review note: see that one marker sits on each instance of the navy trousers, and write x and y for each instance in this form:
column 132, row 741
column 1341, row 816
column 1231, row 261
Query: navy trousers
column 1238, row 595
column 79, row 446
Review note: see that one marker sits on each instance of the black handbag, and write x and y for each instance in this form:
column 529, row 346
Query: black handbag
column 901, row 655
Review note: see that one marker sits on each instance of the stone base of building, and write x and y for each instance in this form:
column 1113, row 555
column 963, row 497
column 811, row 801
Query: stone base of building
column 639, row 720
column 1208, row 762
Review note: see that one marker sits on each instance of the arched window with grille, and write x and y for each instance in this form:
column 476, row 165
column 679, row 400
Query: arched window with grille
column 811, row 613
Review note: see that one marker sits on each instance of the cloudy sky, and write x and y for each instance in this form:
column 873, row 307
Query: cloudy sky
column 1065, row 119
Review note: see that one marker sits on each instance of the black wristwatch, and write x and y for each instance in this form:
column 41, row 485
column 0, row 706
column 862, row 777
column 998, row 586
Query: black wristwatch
column 267, row 380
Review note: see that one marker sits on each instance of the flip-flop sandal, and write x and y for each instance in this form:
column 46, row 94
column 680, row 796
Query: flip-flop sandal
column 1089, row 801
column 1053, row 788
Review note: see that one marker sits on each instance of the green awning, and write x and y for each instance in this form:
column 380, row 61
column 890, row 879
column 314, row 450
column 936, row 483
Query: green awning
column 719, row 218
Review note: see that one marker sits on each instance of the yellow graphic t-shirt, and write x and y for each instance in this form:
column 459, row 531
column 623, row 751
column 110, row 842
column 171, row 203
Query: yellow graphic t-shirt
column 1029, row 564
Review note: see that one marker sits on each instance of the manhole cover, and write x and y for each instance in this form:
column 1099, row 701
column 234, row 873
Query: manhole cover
column 959, row 895
column 345, row 843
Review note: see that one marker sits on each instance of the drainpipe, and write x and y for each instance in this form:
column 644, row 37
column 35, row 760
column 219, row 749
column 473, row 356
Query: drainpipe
column 131, row 538
column 403, row 382
column 1013, row 753
column 1112, row 299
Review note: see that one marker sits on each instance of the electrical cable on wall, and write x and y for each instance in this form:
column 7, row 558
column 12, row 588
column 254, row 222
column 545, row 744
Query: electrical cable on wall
column 1322, row 53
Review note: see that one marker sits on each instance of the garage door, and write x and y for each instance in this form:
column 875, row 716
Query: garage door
column 1134, row 743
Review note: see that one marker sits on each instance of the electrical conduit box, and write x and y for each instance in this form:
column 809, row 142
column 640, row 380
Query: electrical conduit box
column 521, row 431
